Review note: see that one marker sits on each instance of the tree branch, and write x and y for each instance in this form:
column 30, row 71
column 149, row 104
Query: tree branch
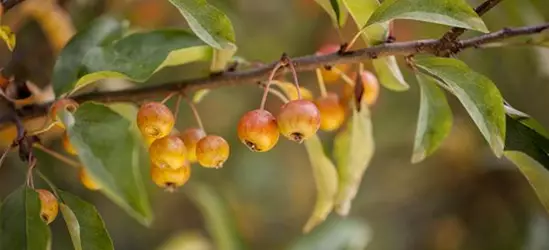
column 455, row 32
column 8, row 4
column 305, row 63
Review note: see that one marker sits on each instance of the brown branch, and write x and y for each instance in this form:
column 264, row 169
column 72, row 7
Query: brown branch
column 8, row 4
column 455, row 32
column 305, row 63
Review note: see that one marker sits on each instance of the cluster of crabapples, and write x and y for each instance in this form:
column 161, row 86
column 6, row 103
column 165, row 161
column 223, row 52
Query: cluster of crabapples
column 300, row 119
column 171, row 154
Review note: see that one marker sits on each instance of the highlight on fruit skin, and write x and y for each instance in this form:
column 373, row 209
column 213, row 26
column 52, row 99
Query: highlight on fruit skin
column 68, row 104
column 212, row 151
column 155, row 120
column 330, row 76
column 67, row 145
column 168, row 152
column 190, row 138
column 332, row 112
column 258, row 130
column 298, row 120
column 170, row 179
column 86, row 180
column 49, row 207
column 371, row 88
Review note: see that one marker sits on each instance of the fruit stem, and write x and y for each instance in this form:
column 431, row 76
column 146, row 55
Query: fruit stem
column 50, row 183
column 5, row 154
column 195, row 113
column 177, row 104
column 168, row 97
column 58, row 156
column 279, row 94
column 343, row 76
column 43, row 130
column 271, row 76
column 289, row 61
column 321, row 84
column 353, row 41
column 32, row 164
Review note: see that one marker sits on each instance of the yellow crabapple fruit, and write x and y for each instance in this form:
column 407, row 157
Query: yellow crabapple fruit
column 86, row 180
column 332, row 112
column 67, row 145
column 371, row 88
column 48, row 205
column 212, row 151
column 155, row 120
column 258, row 130
column 190, row 138
column 298, row 120
column 169, row 178
column 168, row 152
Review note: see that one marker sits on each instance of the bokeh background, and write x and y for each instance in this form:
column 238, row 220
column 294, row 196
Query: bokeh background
column 460, row 198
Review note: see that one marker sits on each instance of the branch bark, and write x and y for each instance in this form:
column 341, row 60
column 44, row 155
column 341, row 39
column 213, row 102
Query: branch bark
column 305, row 63
column 454, row 33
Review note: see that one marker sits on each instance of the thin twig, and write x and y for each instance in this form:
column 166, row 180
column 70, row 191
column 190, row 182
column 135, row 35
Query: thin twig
column 279, row 94
column 275, row 68
column 58, row 156
column 5, row 154
column 321, row 84
column 294, row 74
column 305, row 63
column 455, row 32
column 177, row 104
column 195, row 113
column 168, row 97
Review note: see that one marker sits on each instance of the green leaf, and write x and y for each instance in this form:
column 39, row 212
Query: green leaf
column 8, row 37
column 455, row 13
column 325, row 176
column 434, row 121
column 86, row 228
column 138, row 56
column 207, row 22
column 389, row 74
column 336, row 10
column 216, row 215
column 353, row 150
column 521, row 137
column 67, row 69
column 386, row 68
column 536, row 174
column 21, row 227
column 478, row 94
column 336, row 233
column 109, row 148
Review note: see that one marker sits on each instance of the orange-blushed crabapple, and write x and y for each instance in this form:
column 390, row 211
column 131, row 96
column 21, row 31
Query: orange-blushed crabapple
column 68, row 104
column 371, row 88
column 169, row 178
column 168, row 152
column 190, row 138
column 48, row 205
column 155, row 120
column 332, row 112
column 330, row 76
column 86, row 180
column 67, row 145
column 258, row 130
column 298, row 120
column 212, row 151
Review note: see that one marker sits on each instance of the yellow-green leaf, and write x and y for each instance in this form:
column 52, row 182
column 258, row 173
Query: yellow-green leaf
column 536, row 174
column 455, row 13
column 336, row 10
column 434, row 121
column 325, row 176
column 8, row 36
column 21, row 227
column 353, row 150
column 478, row 94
